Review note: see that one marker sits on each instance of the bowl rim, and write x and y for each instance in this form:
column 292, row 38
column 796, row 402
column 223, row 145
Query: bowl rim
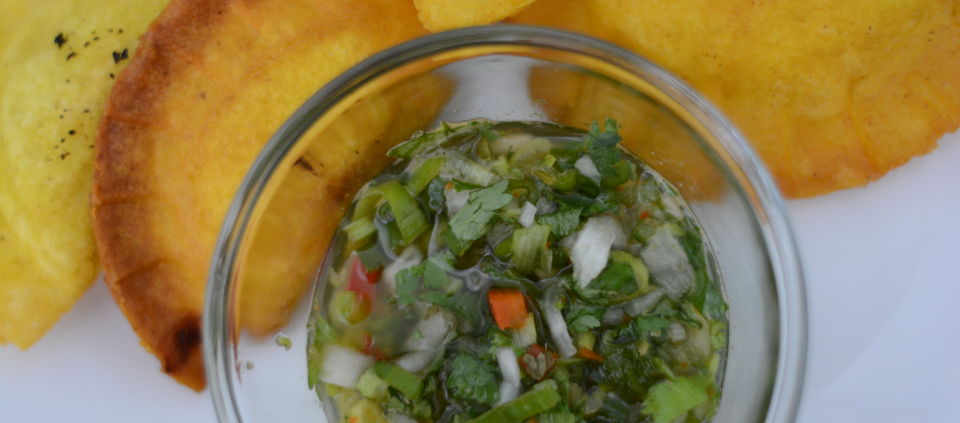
column 768, row 206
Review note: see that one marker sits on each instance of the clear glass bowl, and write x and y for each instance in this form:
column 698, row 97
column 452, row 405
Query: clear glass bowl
column 527, row 74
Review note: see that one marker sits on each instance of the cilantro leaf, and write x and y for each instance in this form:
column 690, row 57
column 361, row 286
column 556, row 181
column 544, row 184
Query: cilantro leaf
column 371, row 258
column 667, row 400
column 611, row 125
column 618, row 277
column 407, row 287
column 473, row 380
column 434, row 276
column 593, row 132
column 581, row 318
column 604, row 158
column 651, row 323
column 474, row 219
column 436, row 297
column 563, row 222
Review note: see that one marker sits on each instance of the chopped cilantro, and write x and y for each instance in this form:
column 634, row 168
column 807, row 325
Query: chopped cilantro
column 604, row 158
column 434, row 276
column 474, row 219
column 581, row 318
column 651, row 323
column 407, row 284
column 618, row 277
column 563, row 222
column 371, row 258
column 473, row 380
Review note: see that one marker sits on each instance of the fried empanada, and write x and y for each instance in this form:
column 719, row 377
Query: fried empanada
column 58, row 61
column 210, row 84
column 832, row 94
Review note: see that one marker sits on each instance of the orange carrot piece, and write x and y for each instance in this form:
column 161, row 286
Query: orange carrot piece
column 508, row 307
column 589, row 354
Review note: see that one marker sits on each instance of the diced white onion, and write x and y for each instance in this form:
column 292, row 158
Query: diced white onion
column 612, row 224
column 411, row 256
column 643, row 304
column 557, row 326
column 417, row 360
column 586, row 168
column 668, row 263
column 545, row 206
column 456, row 200
column 612, row 317
column 508, row 365
column 508, row 392
column 433, row 331
column 527, row 215
column 591, row 250
column 343, row 366
column 677, row 334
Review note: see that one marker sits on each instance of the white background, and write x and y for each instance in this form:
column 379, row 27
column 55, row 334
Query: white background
column 882, row 267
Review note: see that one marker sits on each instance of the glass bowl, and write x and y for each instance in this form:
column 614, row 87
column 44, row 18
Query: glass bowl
column 503, row 73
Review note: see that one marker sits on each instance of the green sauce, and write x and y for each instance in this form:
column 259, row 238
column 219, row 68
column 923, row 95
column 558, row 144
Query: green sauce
column 512, row 271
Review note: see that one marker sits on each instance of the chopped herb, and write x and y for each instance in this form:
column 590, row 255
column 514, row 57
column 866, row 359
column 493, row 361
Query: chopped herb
column 407, row 284
column 472, row 380
column 434, row 277
column 562, row 222
column 582, row 318
column 441, row 338
column 474, row 220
